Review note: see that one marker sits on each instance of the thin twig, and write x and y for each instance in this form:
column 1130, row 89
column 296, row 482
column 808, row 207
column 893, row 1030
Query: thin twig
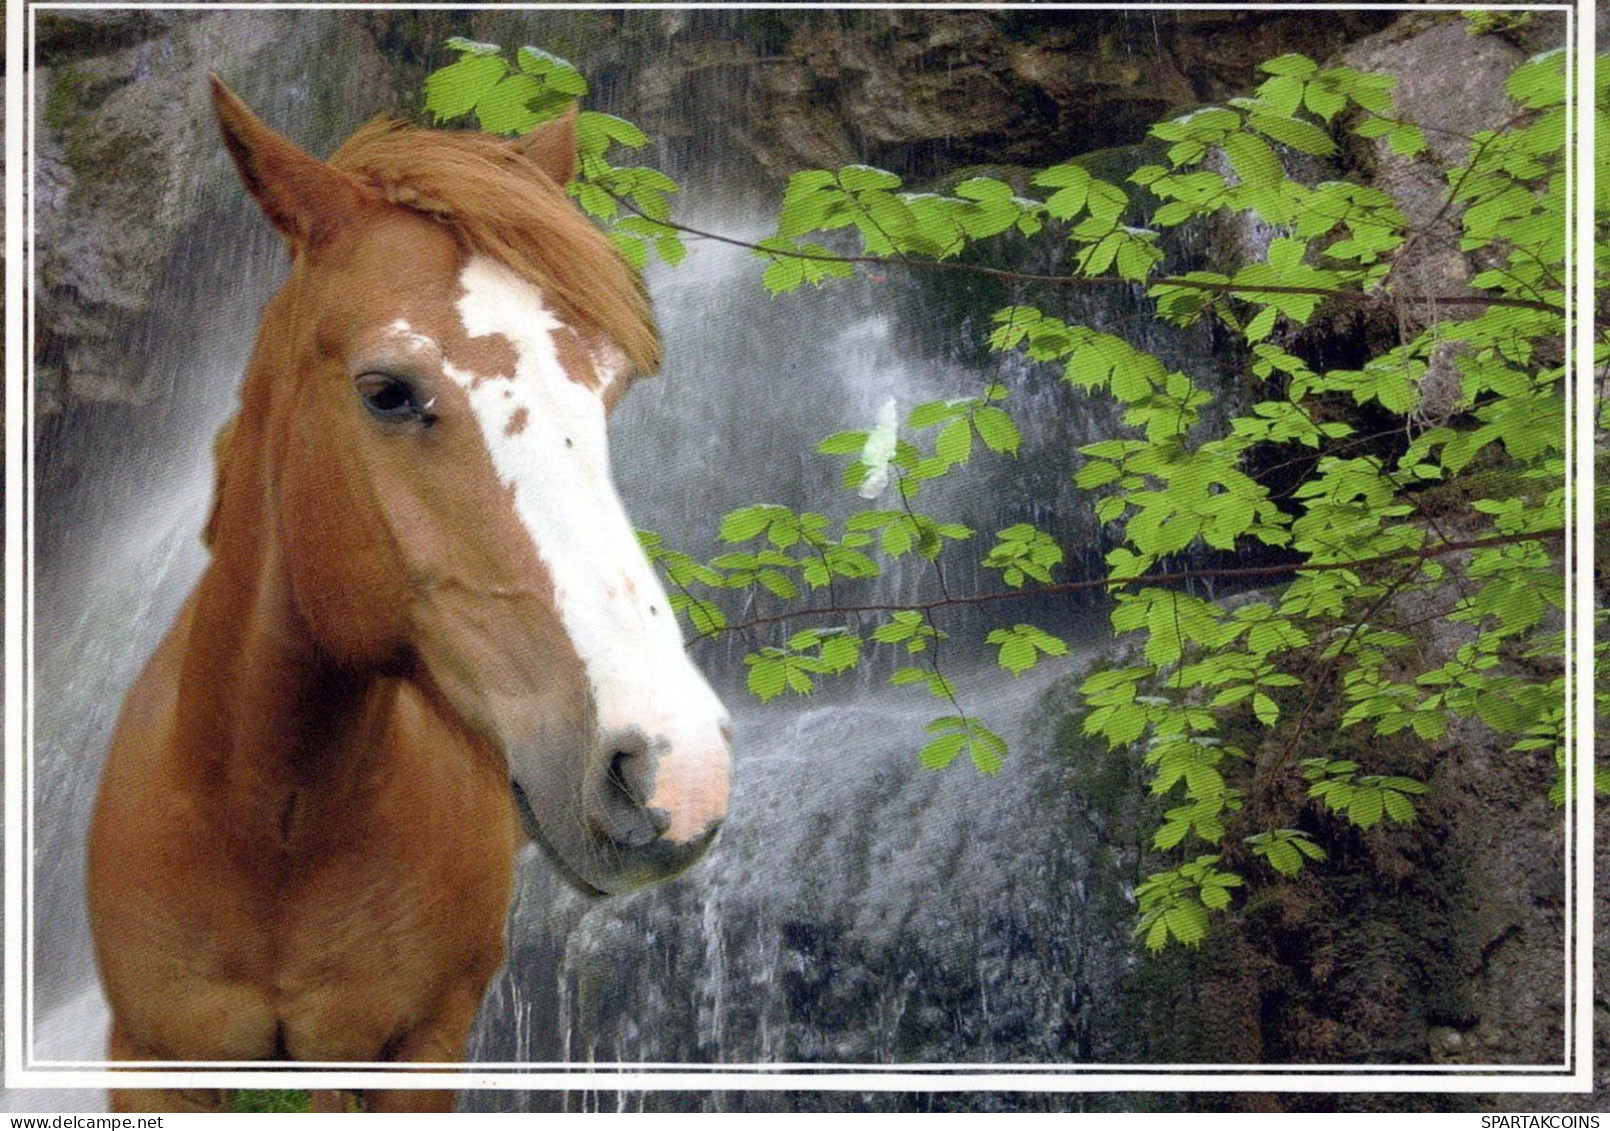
column 1239, row 572
column 1242, row 289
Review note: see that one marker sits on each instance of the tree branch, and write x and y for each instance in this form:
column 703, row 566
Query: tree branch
column 1242, row 572
column 1243, row 289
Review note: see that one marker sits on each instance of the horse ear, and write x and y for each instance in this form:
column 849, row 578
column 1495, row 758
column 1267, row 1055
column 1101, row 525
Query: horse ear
column 552, row 147
column 302, row 196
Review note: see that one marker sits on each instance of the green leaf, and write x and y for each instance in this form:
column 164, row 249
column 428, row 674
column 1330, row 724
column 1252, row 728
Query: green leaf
column 595, row 131
column 471, row 47
column 862, row 178
column 453, row 91
column 988, row 749
column 1106, row 202
column 1170, row 834
column 1366, row 808
column 1398, row 807
column 843, row 443
column 1253, row 161
column 1540, row 81
column 955, row 442
column 742, row 525
column 929, row 413
column 1300, row 66
column 1187, row 921
column 984, row 189
column 767, row 676
column 1325, row 100
column 1301, row 135
column 1066, row 203
column 985, row 748
column 505, row 109
column 706, row 618
column 1061, row 176
column 1282, row 95
column 942, row 751
column 267, row 1101
column 997, row 430
column 777, row 584
column 1406, row 139
column 670, row 249
column 809, row 203
column 557, row 75
column 1265, row 709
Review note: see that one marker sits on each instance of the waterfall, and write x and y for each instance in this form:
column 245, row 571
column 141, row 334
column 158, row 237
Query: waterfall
column 123, row 489
column 858, row 908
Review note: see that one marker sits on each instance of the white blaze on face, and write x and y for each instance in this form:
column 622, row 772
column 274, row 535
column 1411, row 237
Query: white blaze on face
column 545, row 432
column 401, row 332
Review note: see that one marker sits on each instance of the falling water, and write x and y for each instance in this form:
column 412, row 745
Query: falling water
column 858, row 909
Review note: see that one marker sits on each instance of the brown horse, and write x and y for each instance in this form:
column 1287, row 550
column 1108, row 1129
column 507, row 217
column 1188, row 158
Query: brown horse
column 425, row 618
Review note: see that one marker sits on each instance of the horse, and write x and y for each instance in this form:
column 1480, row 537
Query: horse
column 425, row 630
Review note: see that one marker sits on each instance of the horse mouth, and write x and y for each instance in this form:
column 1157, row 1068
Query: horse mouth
column 528, row 819
column 555, row 858
column 625, row 868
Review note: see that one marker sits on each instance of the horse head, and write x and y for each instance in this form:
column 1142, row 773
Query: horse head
column 428, row 402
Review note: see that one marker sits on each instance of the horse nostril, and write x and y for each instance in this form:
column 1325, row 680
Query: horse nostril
column 631, row 773
column 618, row 766
column 619, row 814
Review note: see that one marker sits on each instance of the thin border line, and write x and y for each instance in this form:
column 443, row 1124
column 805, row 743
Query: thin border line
column 26, row 778
column 1431, row 1074
column 783, row 5
column 1580, row 41
column 578, row 1078
column 1580, row 676
column 18, row 410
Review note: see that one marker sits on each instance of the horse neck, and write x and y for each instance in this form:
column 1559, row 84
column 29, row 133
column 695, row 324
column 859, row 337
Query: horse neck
column 266, row 719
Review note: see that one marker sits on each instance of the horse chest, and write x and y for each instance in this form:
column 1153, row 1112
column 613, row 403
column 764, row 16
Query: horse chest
column 353, row 975
column 371, row 938
column 329, row 934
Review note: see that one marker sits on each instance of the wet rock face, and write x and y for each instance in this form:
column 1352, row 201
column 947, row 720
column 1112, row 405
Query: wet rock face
column 859, row 909
column 1455, row 80
column 128, row 160
column 129, row 165
column 926, row 93
column 1439, row 942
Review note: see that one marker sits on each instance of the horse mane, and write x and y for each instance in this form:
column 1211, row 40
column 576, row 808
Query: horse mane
column 499, row 203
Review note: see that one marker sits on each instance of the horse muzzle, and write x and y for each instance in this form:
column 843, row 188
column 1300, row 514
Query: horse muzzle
column 644, row 811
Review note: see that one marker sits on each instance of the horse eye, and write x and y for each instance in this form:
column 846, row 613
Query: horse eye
column 391, row 399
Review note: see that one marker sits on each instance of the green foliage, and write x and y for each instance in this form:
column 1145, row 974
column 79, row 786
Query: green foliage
column 515, row 97
column 506, row 98
column 1175, row 904
column 1435, row 532
column 815, row 651
column 1023, row 552
column 1022, row 645
column 1363, row 798
column 1487, row 22
column 958, row 735
column 1286, row 850
column 261, row 1101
